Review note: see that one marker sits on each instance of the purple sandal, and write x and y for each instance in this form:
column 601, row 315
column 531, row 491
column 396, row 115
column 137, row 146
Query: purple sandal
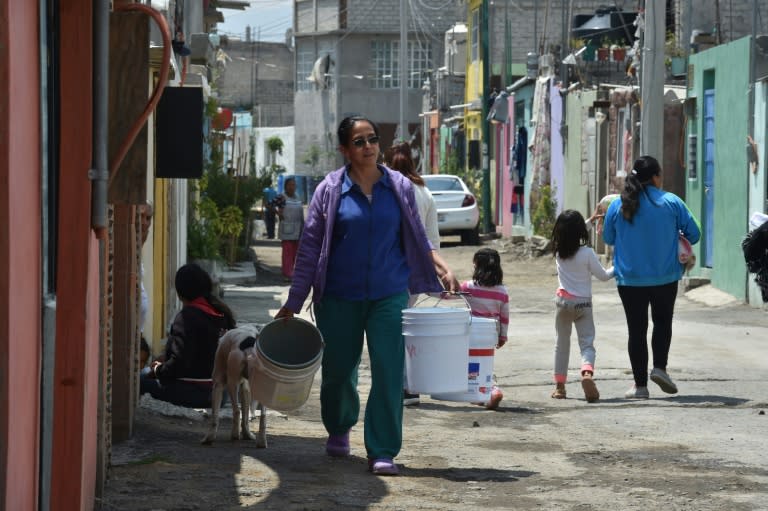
column 383, row 466
column 338, row 445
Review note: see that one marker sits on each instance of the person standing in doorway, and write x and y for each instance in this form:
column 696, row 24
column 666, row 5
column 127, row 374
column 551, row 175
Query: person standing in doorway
column 290, row 210
column 644, row 226
column 362, row 251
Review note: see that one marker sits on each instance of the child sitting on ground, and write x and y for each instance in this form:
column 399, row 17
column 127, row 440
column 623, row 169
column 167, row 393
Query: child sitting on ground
column 576, row 263
column 184, row 376
column 488, row 298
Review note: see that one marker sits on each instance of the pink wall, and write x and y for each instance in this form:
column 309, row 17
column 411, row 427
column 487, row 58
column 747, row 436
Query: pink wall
column 506, row 134
column 20, row 304
column 76, row 382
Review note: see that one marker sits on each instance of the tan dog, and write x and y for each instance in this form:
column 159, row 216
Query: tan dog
column 235, row 361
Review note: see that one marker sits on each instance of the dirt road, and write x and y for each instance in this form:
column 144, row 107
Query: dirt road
column 702, row 449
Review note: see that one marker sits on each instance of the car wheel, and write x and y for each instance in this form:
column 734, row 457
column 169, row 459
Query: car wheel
column 471, row 236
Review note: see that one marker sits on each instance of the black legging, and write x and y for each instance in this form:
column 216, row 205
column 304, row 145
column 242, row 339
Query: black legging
column 635, row 301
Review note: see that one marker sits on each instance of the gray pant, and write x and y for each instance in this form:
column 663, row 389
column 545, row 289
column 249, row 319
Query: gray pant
column 576, row 312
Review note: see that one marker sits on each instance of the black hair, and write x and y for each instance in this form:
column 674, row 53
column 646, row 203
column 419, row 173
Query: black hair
column 568, row 234
column 488, row 270
column 639, row 177
column 144, row 345
column 346, row 125
column 194, row 282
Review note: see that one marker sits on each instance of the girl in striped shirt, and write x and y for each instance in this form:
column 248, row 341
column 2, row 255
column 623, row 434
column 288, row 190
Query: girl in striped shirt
column 488, row 298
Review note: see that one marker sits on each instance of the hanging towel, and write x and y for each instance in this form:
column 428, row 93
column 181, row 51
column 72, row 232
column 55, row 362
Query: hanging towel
column 521, row 153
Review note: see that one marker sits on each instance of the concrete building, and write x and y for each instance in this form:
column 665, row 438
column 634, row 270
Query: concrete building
column 347, row 63
column 257, row 76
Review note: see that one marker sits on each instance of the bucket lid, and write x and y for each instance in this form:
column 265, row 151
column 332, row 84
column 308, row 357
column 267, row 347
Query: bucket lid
column 435, row 313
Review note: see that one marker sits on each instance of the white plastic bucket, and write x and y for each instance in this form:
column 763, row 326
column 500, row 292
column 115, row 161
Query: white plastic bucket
column 436, row 348
column 483, row 337
column 436, row 314
column 289, row 352
column 448, row 327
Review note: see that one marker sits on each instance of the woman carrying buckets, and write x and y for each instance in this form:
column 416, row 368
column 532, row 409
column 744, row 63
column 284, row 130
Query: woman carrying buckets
column 362, row 250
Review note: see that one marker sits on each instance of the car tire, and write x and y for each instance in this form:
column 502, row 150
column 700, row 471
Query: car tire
column 471, row 236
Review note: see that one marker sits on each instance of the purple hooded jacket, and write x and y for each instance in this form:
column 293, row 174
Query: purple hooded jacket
column 315, row 244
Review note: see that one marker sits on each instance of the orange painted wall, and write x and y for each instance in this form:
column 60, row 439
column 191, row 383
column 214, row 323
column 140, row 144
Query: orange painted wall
column 76, row 381
column 20, row 259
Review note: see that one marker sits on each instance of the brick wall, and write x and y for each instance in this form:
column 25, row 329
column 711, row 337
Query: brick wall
column 735, row 18
column 259, row 76
column 383, row 16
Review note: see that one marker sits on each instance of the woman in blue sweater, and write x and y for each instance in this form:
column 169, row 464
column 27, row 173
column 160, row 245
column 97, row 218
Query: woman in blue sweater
column 644, row 226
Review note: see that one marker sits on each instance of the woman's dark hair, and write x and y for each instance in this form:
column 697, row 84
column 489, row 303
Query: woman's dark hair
column 194, row 282
column 488, row 270
column 401, row 161
column 346, row 125
column 568, row 234
column 641, row 174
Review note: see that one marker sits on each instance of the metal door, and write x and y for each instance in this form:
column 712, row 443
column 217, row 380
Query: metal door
column 709, row 177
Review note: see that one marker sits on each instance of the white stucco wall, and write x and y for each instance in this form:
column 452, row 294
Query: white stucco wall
column 286, row 134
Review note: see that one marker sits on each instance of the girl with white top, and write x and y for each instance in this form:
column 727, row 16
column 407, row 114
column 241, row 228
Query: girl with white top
column 576, row 264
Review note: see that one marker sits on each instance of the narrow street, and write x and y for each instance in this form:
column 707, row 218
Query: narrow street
column 701, row 449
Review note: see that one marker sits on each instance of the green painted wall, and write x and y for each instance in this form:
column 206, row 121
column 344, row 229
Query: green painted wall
column 727, row 68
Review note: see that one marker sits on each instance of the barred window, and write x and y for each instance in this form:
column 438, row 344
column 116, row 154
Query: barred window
column 305, row 62
column 385, row 63
column 305, row 59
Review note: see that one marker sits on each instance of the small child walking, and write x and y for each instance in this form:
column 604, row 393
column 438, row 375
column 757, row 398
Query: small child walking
column 576, row 264
column 488, row 298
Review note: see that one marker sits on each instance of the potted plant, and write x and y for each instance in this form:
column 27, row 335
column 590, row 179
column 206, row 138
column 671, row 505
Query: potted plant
column 604, row 51
column 590, row 49
column 674, row 56
column 618, row 52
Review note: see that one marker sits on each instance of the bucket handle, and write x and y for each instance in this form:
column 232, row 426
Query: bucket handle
column 445, row 294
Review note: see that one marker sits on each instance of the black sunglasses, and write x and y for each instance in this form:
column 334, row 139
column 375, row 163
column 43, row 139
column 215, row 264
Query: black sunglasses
column 360, row 142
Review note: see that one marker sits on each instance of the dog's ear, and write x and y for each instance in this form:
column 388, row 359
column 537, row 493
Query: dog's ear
column 248, row 342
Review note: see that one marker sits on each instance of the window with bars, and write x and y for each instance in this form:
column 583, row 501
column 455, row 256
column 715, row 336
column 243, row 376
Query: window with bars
column 385, row 63
column 304, row 62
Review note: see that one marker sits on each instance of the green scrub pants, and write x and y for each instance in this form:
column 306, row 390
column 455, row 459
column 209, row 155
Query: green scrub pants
column 343, row 323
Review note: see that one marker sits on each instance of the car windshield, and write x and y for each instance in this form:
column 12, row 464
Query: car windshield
column 443, row 184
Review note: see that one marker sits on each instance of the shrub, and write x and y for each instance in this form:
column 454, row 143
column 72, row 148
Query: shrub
column 544, row 209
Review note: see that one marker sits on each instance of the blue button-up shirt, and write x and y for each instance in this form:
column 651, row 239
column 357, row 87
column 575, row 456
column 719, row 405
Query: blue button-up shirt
column 367, row 261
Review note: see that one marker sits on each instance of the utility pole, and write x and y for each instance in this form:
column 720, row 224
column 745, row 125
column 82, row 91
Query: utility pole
column 403, row 64
column 486, row 128
column 652, row 82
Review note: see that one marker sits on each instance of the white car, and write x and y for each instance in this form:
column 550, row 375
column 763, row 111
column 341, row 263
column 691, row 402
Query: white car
column 457, row 211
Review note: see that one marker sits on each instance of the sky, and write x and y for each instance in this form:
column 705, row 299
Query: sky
column 271, row 17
